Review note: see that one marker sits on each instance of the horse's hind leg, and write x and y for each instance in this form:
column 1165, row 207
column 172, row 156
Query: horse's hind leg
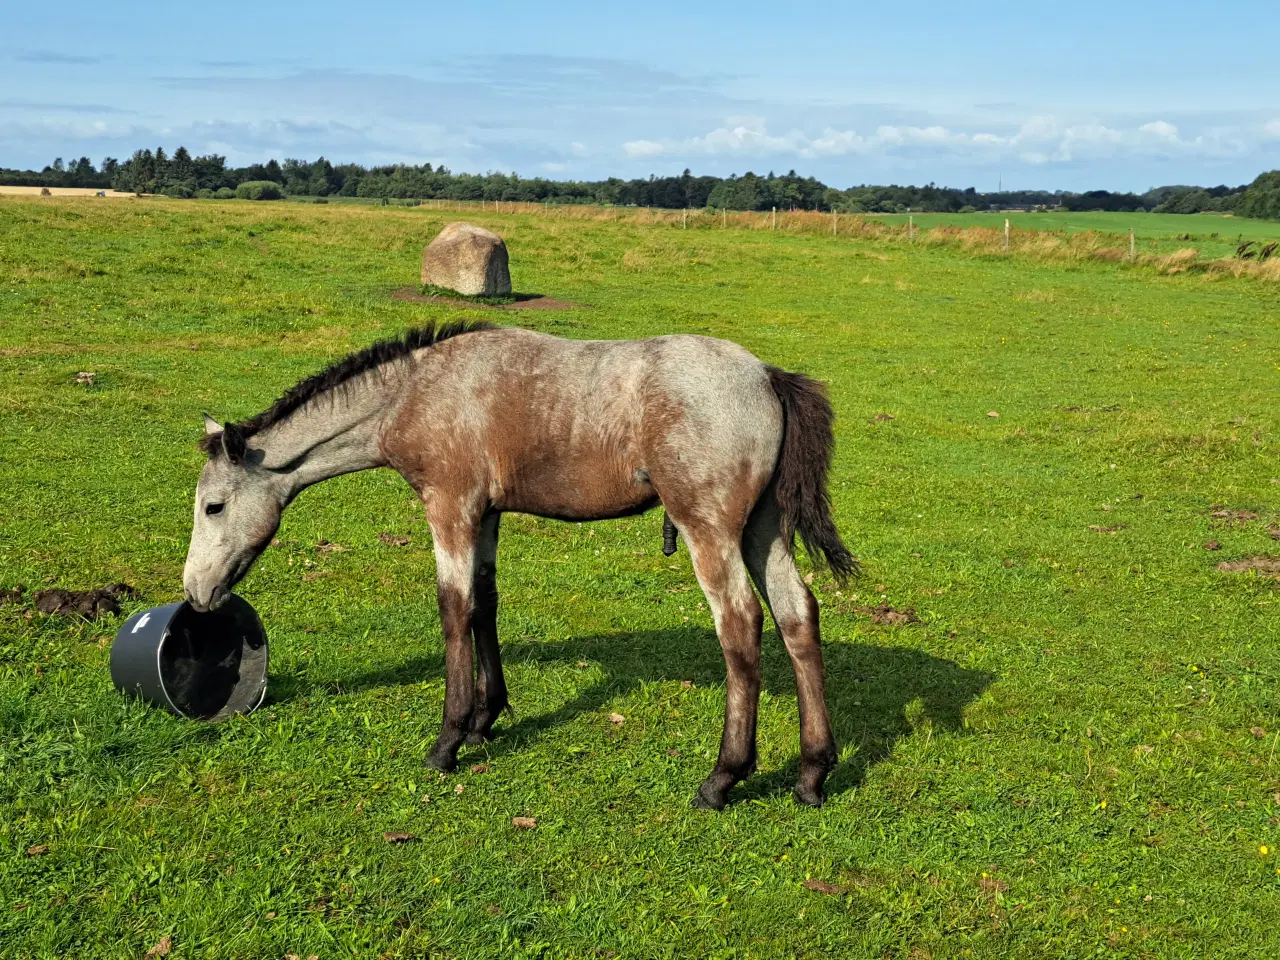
column 491, row 687
column 455, row 539
column 794, row 610
column 717, row 561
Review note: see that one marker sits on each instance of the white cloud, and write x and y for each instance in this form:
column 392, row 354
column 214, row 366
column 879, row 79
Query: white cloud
column 1159, row 128
column 1272, row 129
column 750, row 137
column 643, row 148
column 1037, row 140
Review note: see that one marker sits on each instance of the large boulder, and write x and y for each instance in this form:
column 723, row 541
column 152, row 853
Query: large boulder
column 468, row 259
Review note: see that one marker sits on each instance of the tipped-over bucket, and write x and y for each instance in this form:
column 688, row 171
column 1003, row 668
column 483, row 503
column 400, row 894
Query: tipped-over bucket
column 206, row 666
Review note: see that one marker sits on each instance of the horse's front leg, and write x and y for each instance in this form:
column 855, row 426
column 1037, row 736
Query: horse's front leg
column 456, row 540
column 491, row 686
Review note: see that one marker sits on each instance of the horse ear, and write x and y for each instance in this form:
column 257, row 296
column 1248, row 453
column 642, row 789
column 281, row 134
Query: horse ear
column 211, row 426
column 233, row 443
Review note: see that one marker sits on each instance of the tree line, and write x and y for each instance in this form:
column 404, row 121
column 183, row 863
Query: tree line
column 182, row 175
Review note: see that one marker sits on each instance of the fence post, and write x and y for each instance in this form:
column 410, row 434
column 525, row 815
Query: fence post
column 773, row 221
column 684, row 220
column 835, row 221
column 1006, row 234
column 911, row 228
column 724, row 218
column 1133, row 247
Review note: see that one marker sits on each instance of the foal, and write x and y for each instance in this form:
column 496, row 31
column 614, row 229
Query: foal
column 482, row 421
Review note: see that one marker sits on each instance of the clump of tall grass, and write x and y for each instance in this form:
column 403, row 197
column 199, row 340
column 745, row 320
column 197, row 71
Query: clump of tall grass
column 1231, row 266
column 1177, row 262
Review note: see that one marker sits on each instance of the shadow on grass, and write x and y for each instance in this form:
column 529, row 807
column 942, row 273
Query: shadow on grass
column 871, row 690
column 513, row 301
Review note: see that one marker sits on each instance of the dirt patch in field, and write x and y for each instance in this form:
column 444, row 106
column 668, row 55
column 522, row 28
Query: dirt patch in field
column 1265, row 566
column 89, row 604
column 1220, row 512
column 524, row 301
column 888, row 616
column 822, row 886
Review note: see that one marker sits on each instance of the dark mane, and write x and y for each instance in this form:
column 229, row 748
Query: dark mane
column 343, row 371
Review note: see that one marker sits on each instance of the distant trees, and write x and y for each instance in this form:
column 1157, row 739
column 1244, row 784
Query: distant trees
column 1262, row 198
column 1185, row 199
column 182, row 175
column 1104, row 200
column 77, row 173
column 787, row 192
column 259, row 190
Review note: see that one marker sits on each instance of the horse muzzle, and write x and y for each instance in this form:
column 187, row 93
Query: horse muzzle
column 212, row 601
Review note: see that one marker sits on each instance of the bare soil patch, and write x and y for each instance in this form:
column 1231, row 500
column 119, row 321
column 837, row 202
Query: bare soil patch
column 887, row 615
column 1220, row 512
column 822, row 886
column 524, row 301
column 1265, row 566
column 89, row 604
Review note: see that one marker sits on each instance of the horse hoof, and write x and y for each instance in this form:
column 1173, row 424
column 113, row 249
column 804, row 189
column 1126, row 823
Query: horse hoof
column 701, row 801
column 441, row 761
column 475, row 738
column 808, row 797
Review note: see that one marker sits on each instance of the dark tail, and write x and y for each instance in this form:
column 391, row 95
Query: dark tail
column 801, row 478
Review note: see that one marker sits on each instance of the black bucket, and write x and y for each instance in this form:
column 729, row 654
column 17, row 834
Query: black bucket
column 205, row 666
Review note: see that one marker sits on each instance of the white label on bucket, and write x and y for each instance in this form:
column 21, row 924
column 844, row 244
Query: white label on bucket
column 141, row 623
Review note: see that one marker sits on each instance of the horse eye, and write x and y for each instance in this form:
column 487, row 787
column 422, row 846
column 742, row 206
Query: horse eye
column 213, row 508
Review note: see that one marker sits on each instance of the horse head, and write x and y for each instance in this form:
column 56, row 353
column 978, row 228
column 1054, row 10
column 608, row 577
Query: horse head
column 237, row 512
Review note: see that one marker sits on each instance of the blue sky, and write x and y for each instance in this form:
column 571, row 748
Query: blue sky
column 1117, row 95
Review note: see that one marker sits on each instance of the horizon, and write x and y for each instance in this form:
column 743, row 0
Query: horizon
column 943, row 187
column 1118, row 99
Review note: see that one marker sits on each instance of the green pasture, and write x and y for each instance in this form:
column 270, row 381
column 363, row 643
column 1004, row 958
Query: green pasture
column 1073, row 753
column 1213, row 234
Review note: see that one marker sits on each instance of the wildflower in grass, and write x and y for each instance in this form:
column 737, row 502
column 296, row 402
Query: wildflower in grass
column 1264, row 850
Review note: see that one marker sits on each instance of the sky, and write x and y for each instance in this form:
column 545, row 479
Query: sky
column 1086, row 95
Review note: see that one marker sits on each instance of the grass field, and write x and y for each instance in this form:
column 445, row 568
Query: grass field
column 1074, row 753
column 1212, row 234
column 6, row 190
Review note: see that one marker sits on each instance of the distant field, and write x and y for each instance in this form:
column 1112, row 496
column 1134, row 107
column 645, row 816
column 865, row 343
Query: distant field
column 1213, row 234
column 61, row 191
column 1074, row 753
